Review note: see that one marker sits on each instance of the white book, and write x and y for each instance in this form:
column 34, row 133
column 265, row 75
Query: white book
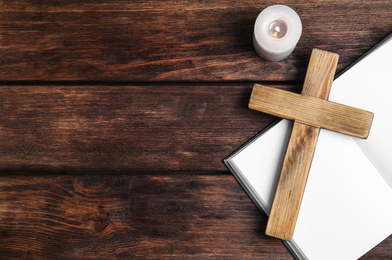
column 347, row 205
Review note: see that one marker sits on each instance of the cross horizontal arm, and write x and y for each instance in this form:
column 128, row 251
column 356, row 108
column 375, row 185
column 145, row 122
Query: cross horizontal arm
column 311, row 111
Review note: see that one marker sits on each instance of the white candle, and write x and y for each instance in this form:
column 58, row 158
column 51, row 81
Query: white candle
column 276, row 32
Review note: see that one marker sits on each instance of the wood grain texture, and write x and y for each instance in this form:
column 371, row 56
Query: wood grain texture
column 123, row 40
column 311, row 111
column 300, row 150
column 292, row 181
column 131, row 216
column 134, row 128
column 135, row 216
column 153, row 134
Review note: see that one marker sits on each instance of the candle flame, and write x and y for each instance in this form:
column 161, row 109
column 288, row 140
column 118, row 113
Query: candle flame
column 277, row 30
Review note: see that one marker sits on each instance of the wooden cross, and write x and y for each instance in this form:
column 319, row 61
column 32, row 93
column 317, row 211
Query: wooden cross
column 310, row 112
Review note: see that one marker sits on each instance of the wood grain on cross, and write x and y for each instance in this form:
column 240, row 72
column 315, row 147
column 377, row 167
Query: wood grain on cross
column 310, row 111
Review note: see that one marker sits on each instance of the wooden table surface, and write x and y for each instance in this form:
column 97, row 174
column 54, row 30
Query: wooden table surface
column 115, row 117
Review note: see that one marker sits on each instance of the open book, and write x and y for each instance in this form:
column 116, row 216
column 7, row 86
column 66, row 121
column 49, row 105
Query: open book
column 347, row 205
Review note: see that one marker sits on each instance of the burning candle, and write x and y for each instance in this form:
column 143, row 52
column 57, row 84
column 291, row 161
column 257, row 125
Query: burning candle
column 276, row 32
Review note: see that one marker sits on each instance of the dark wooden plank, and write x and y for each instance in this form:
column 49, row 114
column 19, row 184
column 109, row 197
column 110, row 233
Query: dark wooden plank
column 382, row 251
column 136, row 128
column 134, row 216
column 125, row 40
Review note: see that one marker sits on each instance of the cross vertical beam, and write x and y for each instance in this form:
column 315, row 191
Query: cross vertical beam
column 300, row 150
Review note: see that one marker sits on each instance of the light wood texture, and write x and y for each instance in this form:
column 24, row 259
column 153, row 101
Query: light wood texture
column 300, row 150
column 311, row 111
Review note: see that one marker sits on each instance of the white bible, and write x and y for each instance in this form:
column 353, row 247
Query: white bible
column 347, row 205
